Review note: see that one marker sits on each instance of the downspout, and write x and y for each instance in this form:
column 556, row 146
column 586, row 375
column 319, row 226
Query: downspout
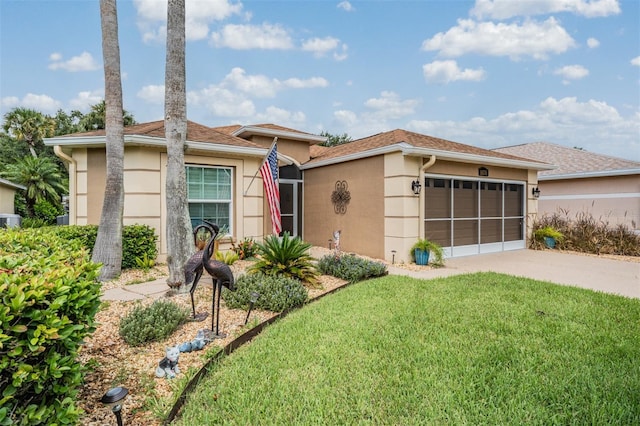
column 428, row 164
column 71, row 168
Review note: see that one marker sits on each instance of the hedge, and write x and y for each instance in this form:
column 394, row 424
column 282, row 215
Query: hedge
column 50, row 296
column 137, row 240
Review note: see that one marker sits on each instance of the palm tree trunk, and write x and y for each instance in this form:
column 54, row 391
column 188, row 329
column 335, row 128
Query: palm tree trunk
column 179, row 246
column 108, row 247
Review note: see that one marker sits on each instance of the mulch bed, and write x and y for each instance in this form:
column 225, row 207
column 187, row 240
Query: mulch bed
column 114, row 363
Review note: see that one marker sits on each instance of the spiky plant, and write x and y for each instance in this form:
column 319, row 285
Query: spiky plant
column 288, row 257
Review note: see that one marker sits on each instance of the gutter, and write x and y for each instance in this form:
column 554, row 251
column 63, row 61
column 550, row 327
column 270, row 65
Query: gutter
column 583, row 175
column 257, row 130
column 57, row 149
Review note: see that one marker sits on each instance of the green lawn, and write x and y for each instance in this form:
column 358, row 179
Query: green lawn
column 473, row 349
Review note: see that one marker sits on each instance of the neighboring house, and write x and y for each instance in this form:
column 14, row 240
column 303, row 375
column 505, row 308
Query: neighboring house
column 606, row 187
column 468, row 199
column 7, row 195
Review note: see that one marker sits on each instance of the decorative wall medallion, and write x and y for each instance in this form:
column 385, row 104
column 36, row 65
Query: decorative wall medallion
column 340, row 197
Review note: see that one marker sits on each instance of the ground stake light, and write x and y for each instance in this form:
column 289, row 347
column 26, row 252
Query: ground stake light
column 252, row 300
column 113, row 398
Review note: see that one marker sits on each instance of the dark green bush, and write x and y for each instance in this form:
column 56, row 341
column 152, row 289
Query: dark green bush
column 152, row 323
column 50, row 296
column 33, row 222
column 46, row 211
column 277, row 293
column 350, row 267
column 286, row 256
column 137, row 240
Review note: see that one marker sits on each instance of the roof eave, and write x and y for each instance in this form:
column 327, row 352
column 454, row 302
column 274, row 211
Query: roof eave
column 410, row 150
column 11, row 184
column 583, row 175
column 263, row 131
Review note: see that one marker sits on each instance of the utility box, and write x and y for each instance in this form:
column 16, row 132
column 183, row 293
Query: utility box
column 10, row 220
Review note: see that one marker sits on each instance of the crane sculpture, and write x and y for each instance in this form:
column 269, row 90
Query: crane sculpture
column 220, row 273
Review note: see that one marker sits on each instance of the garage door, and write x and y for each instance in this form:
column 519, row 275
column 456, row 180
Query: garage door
column 469, row 216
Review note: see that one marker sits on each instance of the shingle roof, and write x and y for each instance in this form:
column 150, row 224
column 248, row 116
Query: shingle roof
column 569, row 161
column 195, row 133
column 416, row 140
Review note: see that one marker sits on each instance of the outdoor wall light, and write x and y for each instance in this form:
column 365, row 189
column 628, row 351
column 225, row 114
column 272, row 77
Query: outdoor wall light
column 416, row 187
column 113, row 398
column 535, row 192
column 253, row 298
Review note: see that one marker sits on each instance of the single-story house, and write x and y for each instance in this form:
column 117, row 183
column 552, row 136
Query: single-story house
column 7, row 194
column 606, row 187
column 382, row 192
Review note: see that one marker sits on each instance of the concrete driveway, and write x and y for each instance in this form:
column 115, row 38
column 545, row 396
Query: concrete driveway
column 595, row 273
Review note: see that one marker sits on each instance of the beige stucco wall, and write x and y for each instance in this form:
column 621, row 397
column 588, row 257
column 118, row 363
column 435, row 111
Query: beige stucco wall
column 613, row 199
column 6, row 199
column 362, row 225
column 144, row 181
column 298, row 150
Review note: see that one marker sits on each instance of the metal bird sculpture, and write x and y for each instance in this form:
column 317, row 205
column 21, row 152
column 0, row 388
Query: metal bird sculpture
column 223, row 276
column 194, row 268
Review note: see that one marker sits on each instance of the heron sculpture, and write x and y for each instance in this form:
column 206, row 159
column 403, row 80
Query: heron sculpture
column 219, row 271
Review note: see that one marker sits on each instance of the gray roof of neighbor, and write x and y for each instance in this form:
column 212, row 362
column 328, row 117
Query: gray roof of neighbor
column 572, row 162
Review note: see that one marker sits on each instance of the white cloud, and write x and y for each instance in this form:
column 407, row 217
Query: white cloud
column 534, row 39
column 222, row 102
column 43, row 103
column 321, row 46
column 390, row 106
column 636, row 61
column 153, row 94
column 152, row 17
column 82, row 62
column 503, row 9
column 346, row 6
column 592, row 43
column 572, row 72
column 261, row 86
column 565, row 121
column 243, row 37
column 297, row 83
column 448, row 71
column 85, row 99
column 341, row 56
column 281, row 116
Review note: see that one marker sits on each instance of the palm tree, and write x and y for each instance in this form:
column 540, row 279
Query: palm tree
column 40, row 176
column 28, row 125
column 175, row 123
column 108, row 246
column 96, row 118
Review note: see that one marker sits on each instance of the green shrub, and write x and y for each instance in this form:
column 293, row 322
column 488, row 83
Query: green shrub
column 287, row 257
column 50, row 296
column 152, row 323
column 47, row 212
column 277, row 293
column 245, row 248
column 351, row 268
column 137, row 240
column 33, row 222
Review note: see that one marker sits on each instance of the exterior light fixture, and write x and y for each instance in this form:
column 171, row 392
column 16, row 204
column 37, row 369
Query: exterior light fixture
column 253, row 298
column 113, row 398
column 535, row 192
column 416, row 187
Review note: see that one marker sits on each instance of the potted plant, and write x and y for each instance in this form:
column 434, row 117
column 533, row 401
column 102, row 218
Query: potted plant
column 420, row 252
column 549, row 235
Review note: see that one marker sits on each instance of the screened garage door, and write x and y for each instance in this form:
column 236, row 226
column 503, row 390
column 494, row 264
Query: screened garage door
column 474, row 216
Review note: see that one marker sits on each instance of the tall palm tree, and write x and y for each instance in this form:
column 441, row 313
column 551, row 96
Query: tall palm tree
column 179, row 246
column 40, row 176
column 108, row 246
column 29, row 126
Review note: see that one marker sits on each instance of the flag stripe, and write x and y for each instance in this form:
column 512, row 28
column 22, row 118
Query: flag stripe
column 269, row 173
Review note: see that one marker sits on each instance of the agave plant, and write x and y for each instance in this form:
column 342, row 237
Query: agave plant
column 286, row 256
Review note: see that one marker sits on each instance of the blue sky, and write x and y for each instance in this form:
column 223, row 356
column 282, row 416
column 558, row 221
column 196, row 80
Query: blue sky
column 488, row 73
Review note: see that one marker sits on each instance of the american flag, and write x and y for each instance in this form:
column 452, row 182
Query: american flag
column 269, row 173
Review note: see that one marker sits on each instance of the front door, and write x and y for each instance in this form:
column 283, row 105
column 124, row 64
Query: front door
column 290, row 207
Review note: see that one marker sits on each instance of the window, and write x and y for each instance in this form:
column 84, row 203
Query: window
column 210, row 195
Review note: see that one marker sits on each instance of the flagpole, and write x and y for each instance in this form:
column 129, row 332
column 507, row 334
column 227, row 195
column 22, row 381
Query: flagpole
column 275, row 140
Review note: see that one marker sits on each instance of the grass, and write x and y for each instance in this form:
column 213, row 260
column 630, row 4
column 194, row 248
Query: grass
column 472, row 349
